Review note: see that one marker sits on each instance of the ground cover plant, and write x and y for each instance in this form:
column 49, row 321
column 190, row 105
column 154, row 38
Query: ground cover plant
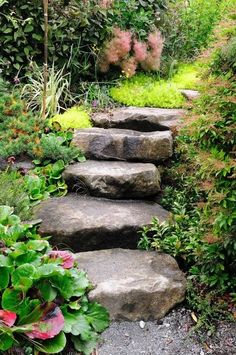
column 150, row 90
column 43, row 294
column 75, row 117
column 201, row 191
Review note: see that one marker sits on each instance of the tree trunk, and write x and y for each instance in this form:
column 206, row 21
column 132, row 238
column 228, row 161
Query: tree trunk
column 45, row 67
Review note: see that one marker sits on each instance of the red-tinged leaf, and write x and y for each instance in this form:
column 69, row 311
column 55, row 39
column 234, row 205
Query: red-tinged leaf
column 8, row 318
column 49, row 325
column 66, row 257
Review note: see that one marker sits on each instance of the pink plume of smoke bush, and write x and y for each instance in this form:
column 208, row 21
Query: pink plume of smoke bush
column 153, row 59
column 140, row 51
column 116, row 49
column 105, row 4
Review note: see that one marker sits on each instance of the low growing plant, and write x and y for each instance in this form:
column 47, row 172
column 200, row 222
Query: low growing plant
column 75, row 117
column 150, row 90
column 43, row 294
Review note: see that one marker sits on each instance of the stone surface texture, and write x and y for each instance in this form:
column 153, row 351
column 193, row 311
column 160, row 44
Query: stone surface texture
column 113, row 179
column 88, row 223
column 120, row 144
column 134, row 284
column 190, row 94
column 139, row 118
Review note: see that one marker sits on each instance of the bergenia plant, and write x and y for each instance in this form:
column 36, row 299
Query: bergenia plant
column 43, row 302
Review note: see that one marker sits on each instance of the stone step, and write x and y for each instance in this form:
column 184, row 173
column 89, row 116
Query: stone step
column 143, row 119
column 113, row 179
column 134, row 284
column 120, row 144
column 87, row 223
column 190, row 94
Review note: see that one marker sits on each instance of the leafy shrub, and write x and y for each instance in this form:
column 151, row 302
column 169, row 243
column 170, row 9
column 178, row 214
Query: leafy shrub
column 201, row 231
column 188, row 26
column 126, row 51
column 22, row 133
column 13, row 193
column 43, row 294
column 77, row 31
column 225, row 58
column 75, row 117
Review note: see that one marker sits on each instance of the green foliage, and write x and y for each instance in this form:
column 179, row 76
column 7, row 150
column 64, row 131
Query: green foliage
column 77, row 31
column 146, row 90
column 137, row 15
column 202, row 228
column 187, row 28
column 13, row 192
column 58, row 90
column 43, row 294
column 56, row 146
column 75, row 117
column 22, row 133
column 23, row 192
column 225, row 58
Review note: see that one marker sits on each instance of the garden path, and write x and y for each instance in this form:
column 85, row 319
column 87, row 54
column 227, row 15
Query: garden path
column 112, row 196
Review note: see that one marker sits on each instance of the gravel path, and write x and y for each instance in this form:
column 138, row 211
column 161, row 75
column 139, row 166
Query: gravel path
column 167, row 337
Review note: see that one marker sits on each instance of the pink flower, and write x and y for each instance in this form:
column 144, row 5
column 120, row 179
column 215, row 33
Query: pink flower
column 116, row 49
column 50, row 324
column 7, row 317
column 105, row 4
column 140, row 50
column 67, row 258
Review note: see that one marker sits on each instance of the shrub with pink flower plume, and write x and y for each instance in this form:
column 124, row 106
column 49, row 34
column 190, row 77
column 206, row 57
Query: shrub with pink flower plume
column 129, row 66
column 140, row 51
column 105, row 4
column 116, row 49
column 153, row 59
column 126, row 51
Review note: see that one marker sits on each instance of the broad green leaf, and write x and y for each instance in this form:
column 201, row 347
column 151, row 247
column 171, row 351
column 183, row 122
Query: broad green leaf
column 85, row 347
column 46, row 290
column 6, row 341
column 53, row 346
column 4, row 277
column 22, row 277
column 97, row 316
column 81, row 327
column 5, row 260
column 5, row 212
column 12, row 299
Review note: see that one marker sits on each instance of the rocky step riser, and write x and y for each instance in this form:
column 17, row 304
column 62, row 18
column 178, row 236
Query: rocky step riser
column 114, row 180
column 118, row 144
column 85, row 223
column 134, row 284
column 143, row 119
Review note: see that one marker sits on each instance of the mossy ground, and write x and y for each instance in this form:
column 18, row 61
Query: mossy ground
column 149, row 90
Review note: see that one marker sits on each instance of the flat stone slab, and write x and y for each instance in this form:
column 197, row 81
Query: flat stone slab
column 134, row 284
column 121, row 144
column 143, row 119
column 113, row 179
column 88, row 223
column 190, row 94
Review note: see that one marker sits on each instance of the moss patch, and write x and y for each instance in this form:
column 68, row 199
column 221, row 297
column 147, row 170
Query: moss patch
column 148, row 90
column 75, row 117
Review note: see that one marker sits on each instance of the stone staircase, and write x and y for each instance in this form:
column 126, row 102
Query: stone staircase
column 111, row 198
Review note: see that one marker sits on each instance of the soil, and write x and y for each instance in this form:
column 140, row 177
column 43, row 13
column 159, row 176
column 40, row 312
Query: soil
column 171, row 336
